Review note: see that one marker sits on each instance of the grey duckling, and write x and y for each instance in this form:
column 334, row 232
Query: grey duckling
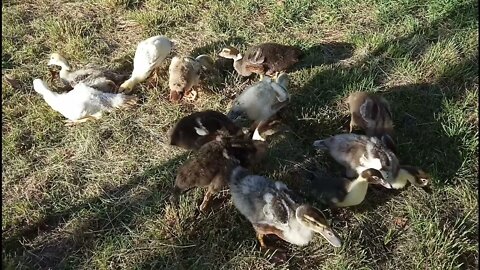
column 272, row 208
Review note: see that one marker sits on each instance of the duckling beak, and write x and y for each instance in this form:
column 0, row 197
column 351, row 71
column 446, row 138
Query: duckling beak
column 312, row 219
column 330, row 236
column 385, row 184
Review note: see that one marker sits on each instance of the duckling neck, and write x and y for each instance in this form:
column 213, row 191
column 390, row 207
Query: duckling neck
column 356, row 193
column 402, row 178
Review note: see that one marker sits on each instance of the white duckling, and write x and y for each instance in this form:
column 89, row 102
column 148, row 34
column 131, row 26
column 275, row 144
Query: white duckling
column 83, row 102
column 358, row 153
column 273, row 208
column 184, row 73
column 149, row 55
column 99, row 78
column 261, row 101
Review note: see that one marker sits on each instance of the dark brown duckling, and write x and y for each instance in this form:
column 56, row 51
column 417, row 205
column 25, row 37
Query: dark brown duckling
column 263, row 59
column 196, row 129
column 212, row 164
column 371, row 113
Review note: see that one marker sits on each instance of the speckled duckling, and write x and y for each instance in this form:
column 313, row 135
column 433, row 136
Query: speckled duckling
column 273, row 208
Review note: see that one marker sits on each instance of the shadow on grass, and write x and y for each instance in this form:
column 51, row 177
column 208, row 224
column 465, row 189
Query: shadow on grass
column 118, row 207
column 324, row 54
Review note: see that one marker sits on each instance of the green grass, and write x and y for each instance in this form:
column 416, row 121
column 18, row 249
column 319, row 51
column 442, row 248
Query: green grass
column 94, row 196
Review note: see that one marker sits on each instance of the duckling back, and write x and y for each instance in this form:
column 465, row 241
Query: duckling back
column 256, row 102
column 199, row 171
column 276, row 57
column 149, row 55
column 184, row 73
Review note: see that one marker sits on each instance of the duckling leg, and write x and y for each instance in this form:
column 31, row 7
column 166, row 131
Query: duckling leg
column 263, row 229
column 206, row 200
column 215, row 185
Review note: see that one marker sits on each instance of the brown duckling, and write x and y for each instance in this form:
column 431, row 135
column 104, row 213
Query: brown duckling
column 184, row 74
column 198, row 128
column 212, row 164
column 371, row 113
column 265, row 58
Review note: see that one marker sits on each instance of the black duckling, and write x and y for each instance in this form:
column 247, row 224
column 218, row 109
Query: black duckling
column 198, row 128
column 212, row 163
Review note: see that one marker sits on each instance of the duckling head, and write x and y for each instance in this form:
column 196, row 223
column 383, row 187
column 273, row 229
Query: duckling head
column 313, row 219
column 58, row 60
column 230, row 53
column 375, row 177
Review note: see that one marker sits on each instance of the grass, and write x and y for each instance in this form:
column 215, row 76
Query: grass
column 94, row 196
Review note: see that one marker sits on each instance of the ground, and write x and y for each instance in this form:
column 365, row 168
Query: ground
column 94, row 196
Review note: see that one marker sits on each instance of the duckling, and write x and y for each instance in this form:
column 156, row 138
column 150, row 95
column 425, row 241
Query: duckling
column 261, row 101
column 184, row 73
column 342, row 192
column 83, row 102
column 265, row 58
column 360, row 152
column 196, row 129
column 273, row 208
column 99, row 78
column 416, row 176
column 149, row 55
column 371, row 113
column 212, row 163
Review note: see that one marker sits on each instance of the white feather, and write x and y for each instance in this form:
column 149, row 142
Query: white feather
column 149, row 55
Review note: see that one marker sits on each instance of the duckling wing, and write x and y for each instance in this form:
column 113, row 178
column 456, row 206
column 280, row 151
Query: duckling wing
column 276, row 209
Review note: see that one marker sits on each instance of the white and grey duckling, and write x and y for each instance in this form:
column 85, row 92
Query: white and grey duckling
column 212, row 164
column 198, row 128
column 149, row 55
column 358, row 153
column 261, row 101
column 273, row 208
column 184, row 74
column 83, row 103
column 342, row 192
column 263, row 59
column 371, row 113
column 96, row 77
